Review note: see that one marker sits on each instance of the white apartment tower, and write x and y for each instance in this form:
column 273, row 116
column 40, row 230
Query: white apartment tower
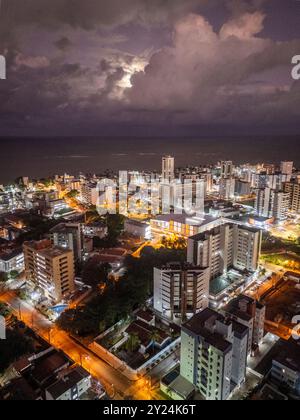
column 227, row 188
column 262, row 202
column 90, row 193
column 272, row 203
column 168, row 168
column 246, row 248
column 293, row 189
column 280, row 204
column 229, row 245
column 286, row 168
column 250, row 313
column 227, row 169
column 180, row 291
column 214, row 354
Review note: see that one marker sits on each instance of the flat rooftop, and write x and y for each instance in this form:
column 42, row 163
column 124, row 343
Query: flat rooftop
column 186, row 219
column 8, row 255
column 268, row 393
column 197, row 325
column 46, row 249
column 289, row 356
column 67, row 382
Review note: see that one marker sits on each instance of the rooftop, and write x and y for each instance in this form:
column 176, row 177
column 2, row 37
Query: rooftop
column 145, row 315
column 289, row 355
column 48, row 366
column 198, row 326
column 68, row 381
column 268, row 393
column 8, row 255
column 186, row 219
column 46, row 249
column 144, row 332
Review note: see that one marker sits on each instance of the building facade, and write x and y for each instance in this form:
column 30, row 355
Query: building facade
column 68, row 236
column 251, row 314
column 50, row 268
column 272, row 203
column 180, row 291
column 227, row 246
column 213, row 354
column 293, row 189
column 12, row 261
column 168, row 168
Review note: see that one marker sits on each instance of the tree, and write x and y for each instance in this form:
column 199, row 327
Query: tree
column 154, row 338
column 4, row 310
column 113, row 304
column 133, row 343
column 115, row 226
column 95, row 273
column 13, row 274
column 15, row 346
column 72, row 194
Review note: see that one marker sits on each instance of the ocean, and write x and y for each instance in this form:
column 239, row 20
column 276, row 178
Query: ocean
column 43, row 157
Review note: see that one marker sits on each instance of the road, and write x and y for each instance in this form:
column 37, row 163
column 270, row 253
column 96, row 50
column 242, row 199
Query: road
column 116, row 384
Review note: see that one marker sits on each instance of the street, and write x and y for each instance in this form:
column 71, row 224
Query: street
column 115, row 383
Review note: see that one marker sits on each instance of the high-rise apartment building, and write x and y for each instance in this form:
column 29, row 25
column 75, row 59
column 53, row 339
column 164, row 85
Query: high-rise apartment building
column 229, row 245
column 90, row 193
column 68, row 236
column 214, row 354
column 262, row 202
column 280, row 203
column 50, row 268
column 293, row 189
column 227, row 169
column 242, row 188
column 287, row 167
column 250, row 313
column 180, row 291
column 272, row 203
column 227, row 188
column 168, row 168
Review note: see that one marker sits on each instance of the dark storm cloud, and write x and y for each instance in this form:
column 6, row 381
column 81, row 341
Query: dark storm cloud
column 63, row 43
column 73, row 66
column 89, row 13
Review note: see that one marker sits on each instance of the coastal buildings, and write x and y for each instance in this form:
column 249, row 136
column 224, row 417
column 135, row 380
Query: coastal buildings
column 227, row 188
column 226, row 246
column 12, row 260
column 180, row 290
column 250, row 313
column 272, row 203
column 168, row 168
column 227, row 169
column 68, row 236
column 293, row 189
column 50, row 268
column 213, row 354
column 287, row 167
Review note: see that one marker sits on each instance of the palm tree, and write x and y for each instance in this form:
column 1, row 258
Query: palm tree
column 132, row 343
column 154, row 337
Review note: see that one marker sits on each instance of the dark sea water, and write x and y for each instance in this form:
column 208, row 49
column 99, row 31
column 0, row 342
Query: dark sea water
column 41, row 157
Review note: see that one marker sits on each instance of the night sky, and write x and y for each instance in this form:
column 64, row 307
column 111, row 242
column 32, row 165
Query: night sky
column 149, row 67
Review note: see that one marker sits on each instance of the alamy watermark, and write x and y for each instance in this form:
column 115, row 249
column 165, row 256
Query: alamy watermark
column 296, row 68
column 2, row 67
column 296, row 329
column 2, row 328
column 150, row 196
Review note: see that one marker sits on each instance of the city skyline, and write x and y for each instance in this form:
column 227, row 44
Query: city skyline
column 149, row 203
